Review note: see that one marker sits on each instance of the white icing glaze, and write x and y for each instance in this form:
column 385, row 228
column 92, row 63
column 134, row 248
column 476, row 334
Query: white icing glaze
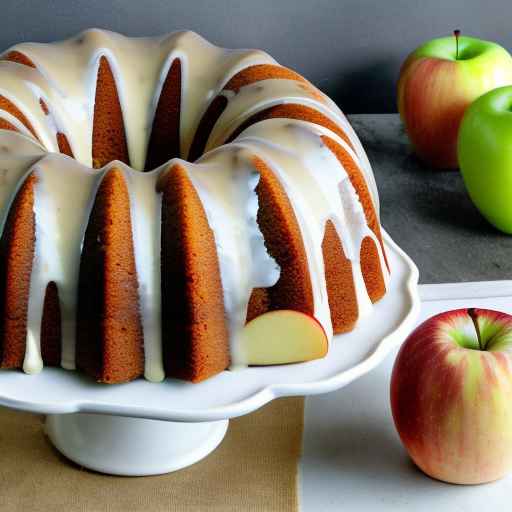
column 319, row 190
column 302, row 140
column 67, row 72
column 200, row 85
column 363, row 158
column 258, row 96
column 145, row 206
column 62, row 204
column 20, row 127
column 225, row 179
column 17, row 154
column 24, row 87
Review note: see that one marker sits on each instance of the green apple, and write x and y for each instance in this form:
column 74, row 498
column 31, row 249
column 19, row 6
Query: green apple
column 485, row 156
column 438, row 81
column 451, row 395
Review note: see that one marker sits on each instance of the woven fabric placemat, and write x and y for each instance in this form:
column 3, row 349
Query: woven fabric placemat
column 254, row 469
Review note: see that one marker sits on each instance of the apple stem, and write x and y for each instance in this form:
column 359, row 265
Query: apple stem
column 456, row 33
column 472, row 314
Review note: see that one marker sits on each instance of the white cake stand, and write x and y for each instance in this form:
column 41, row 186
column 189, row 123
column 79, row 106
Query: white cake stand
column 143, row 428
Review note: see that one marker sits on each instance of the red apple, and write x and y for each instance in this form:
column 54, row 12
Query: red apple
column 282, row 336
column 451, row 395
column 438, row 81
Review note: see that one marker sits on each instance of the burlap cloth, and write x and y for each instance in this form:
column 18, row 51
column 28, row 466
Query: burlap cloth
column 255, row 468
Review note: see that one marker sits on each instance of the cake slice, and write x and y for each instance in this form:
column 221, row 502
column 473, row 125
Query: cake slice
column 109, row 340
column 339, row 281
column 195, row 338
column 108, row 134
column 281, row 232
column 51, row 327
column 16, row 257
column 164, row 142
column 17, row 251
column 369, row 256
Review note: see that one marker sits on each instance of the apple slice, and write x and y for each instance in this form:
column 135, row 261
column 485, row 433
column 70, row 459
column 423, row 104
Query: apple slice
column 281, row 337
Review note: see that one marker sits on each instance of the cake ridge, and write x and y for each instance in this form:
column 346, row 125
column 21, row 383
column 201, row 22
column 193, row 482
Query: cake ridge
column 166, row 114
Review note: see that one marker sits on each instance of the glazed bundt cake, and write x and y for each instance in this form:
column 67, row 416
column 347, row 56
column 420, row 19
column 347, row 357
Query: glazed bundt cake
column 158, row 193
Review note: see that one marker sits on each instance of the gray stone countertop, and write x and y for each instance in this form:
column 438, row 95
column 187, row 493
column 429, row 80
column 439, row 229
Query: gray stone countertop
column 428, row 213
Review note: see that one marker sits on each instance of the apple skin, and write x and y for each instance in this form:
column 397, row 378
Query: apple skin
column 281, row 337
column 485, row 156
column 435, row 88
column 451, row 402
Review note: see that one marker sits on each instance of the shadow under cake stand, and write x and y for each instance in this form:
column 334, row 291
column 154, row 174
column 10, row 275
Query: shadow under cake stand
column 143, row 428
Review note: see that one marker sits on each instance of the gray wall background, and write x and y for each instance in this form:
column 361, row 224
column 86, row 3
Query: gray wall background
column 351, row 49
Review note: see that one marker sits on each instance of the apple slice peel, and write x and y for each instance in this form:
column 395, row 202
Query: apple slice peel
column 281, row 337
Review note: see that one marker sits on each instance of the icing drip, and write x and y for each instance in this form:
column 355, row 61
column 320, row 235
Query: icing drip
column 23, row 87
column 66, row 72
column 206, row 68
column 15, row 122
column 361, row 155
column 258, row 96
column 17, row 154
column 320, row 190
column 145, row 207
column 62, row 204
column 302, row 139
column 226, row 183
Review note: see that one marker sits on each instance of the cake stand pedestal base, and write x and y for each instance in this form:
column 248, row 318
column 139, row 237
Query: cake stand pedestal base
column 119, row 445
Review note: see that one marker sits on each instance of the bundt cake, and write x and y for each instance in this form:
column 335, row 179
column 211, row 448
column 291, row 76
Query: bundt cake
column 122, row 273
